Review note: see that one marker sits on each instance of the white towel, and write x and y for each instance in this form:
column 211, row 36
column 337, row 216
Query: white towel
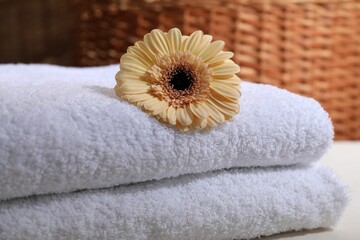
column 63, row 129
column 228, row 204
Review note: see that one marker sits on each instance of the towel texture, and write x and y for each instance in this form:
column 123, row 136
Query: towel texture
column 232, row 204
column 63, row 129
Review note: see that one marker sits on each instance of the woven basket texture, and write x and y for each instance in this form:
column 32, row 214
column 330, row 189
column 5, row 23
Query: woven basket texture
column 308, row 47
column 36, row 31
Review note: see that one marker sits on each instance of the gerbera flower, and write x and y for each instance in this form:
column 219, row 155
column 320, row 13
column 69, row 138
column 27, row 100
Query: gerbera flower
column 187, row 81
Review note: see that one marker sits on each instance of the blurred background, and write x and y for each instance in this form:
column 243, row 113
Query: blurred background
column 310, row 47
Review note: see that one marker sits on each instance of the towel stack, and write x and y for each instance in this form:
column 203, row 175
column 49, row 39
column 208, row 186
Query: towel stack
column 78, row 163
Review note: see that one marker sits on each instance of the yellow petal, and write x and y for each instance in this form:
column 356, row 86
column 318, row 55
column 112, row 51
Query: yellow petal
column 138, row 97
column 211, row 122
column 118, row 76
column 205, row 42
column 222, row 77
column 157, row 41
column 163, row 114
column 133, row 82
column 189, row 112
column 222, row 97
column 145, row 48
column 232, row 106
column 184, row 116
column 184, row 39
column 228, row 113
column 212, row 50
column 131, row 88
column 230, row 80
column 141, row 55
column 161, row 40
column 133, row 67
column 161, row 106
column 203, row 124
column 214, row 113
column 132, row 57
column 174, row 40
column 117, row 90
column 226, row 90
column 221, row 57
column 124, row 76
column 181, row 127
column 198, row 123
column 152, row 104
column 193, row 42
column 171, row 115
column 228, row 67
column 199, row 110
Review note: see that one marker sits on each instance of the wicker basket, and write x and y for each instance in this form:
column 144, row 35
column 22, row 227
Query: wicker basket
column 307, row 47
column 35, row 31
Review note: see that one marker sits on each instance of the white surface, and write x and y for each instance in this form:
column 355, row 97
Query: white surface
column 63, row 129
column 344, row 158
column 238, row 203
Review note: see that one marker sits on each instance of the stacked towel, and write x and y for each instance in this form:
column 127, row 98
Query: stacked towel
column 63, row 129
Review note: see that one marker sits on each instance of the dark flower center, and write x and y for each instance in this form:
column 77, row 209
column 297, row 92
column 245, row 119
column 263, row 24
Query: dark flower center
column 181, row 79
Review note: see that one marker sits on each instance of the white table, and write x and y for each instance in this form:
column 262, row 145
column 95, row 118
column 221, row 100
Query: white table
column 344, row 158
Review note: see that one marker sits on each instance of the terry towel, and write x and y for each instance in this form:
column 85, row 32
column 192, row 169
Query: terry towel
column 229, row 204
column 63, row 129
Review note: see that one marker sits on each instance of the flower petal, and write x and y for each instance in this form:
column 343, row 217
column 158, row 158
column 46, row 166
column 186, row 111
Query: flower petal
column 184, row 116
column 163, row 114
column 184, row 39
column 228, row 67
column 161, row 106
column 193, row 42
column 117, row 90
column 174, row 40
column 130, row 87
column 152, row 104
column 212, row 50
column 211, row 122
column 203, row 124
column 199, row 110
column 171, row 115
column 205, row 42
column 132, row 59
column 232, row 106
column 235, row 80
column 141, row 55
column 141, row 45
column 217, row 116
column 157, row 41
column 199, row 123
column 133, row 67
column 223, row 55
column 134, row 82
column 138, row 97
column 181, row 127
column 225, row 89
column 123, row 76
column 228, row 113
column 222, row 97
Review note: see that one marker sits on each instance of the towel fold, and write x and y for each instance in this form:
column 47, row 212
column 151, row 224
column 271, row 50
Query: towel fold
column 229, row 204
column 63, row 129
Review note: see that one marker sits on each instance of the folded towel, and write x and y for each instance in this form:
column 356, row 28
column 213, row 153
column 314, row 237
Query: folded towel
column 228, row 204
column 63, row 129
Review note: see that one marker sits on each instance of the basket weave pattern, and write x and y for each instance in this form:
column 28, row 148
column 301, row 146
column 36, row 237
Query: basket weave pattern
column 308, row 47
column 35, row 31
